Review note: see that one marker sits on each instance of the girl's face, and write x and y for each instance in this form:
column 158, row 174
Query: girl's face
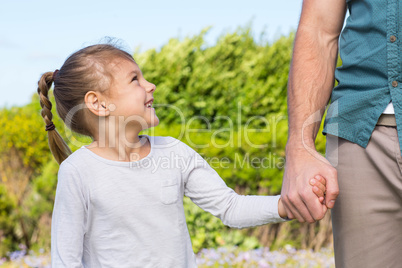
column 131, row 96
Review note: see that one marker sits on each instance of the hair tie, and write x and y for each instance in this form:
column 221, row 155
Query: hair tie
column 50, row 126
column 54, row 74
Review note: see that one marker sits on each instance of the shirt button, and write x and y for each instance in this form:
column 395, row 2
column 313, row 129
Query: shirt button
column 393, row 38
column 394, row 83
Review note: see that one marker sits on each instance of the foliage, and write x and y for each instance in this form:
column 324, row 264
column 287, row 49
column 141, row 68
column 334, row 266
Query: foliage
column 211, row 82
column 23, row 154
column 6, row 222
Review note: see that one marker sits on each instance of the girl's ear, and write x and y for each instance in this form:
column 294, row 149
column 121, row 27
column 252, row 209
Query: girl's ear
column 95, row 105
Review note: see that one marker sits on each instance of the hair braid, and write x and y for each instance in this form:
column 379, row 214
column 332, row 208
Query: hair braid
column 57, row 145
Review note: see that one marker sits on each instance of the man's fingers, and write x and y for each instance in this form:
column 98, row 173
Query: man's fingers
column 288, row 211
column 296, row 215
column 303, row 210
column 313, row 204
column 300, row 209
column 317, row 209
column 290, row 215
column 291, row 210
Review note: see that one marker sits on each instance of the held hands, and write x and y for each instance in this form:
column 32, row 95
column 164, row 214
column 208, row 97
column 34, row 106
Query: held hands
column 318, row 187
column 297, row 197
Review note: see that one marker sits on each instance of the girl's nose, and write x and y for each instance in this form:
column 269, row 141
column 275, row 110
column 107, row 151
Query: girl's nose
column 151, row 87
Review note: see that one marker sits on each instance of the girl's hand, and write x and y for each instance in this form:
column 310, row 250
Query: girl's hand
column 318, row 183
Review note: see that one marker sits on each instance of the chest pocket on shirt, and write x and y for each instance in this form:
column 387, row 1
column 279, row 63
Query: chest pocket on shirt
column 169, row 191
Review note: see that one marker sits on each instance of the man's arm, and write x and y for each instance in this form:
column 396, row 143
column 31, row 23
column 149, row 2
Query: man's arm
column 311, row 79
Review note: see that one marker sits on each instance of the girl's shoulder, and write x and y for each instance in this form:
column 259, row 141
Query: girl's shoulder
column 164, row 141
column 169, row 144
column 76, row 159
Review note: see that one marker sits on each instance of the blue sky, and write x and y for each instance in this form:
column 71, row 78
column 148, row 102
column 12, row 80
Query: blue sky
column 37, row 36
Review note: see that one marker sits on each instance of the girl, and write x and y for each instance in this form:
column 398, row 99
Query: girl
column 119, row 200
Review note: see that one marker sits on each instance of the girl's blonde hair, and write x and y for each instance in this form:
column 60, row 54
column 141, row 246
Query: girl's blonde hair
column 85, row 70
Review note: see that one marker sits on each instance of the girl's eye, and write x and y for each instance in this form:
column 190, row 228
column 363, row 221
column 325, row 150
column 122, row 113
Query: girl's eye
column 134, row 78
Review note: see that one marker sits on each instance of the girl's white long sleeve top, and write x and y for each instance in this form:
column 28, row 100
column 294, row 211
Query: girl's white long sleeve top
column 130, row 214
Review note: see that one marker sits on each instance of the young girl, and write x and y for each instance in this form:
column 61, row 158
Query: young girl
column 119, row 199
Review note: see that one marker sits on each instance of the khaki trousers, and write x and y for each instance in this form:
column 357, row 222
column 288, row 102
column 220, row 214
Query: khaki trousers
column 367, row 217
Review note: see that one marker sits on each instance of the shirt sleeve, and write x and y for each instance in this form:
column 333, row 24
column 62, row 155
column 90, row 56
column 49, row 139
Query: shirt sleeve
column 207, row 190
column 68, row 219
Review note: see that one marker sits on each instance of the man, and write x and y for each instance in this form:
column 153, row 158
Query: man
column 363, row 142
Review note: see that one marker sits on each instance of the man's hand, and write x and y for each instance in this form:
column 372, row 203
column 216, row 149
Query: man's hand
column 298, row 199
column 311, row 80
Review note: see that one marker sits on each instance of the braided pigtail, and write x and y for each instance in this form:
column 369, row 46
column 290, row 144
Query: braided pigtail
column 57, row 145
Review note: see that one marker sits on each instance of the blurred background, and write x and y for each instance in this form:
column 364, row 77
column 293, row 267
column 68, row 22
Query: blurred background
column 207, row 58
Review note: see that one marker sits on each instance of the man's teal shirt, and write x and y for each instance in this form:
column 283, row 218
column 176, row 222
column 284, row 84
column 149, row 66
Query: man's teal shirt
column 371, row 75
